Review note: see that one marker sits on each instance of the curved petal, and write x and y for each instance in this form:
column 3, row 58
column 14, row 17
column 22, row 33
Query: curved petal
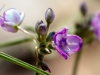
column 21, row 18
column 7, row 26
column 12, row 15
column 95, row 21
column 1, row 20
column 96, row 25
column 61, row 52
column 9, row 29
column 58, row 35
column 74, row 43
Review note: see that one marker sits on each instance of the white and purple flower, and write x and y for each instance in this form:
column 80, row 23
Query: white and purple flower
column 10, row 19
column 66, row 44
column 96, row 25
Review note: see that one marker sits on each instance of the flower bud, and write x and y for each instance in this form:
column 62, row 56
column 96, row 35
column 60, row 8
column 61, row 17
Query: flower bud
column 49, row 16
column 45, row 67
column 43, row 50
column 50, row 36
column 42, row 45
column 42, row 29
column 83, row 8
column 37, row 24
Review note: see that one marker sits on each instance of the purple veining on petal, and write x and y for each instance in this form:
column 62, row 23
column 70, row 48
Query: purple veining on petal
column 66, row 44
column 62, row 42
column 61, row 52
column 58, row 35
column 75, row 43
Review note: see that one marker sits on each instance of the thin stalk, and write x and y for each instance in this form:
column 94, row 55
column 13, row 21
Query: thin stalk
column 26, row 32
column 22, row 63
column 39, row 38
column 47, row 30
column 10, row 43
column 2, row 7
column 78, row 56
column 29, row 28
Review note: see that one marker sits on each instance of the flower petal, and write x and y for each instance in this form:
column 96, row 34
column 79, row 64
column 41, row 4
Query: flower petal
column 7, row 27
column 96, row 25
column 12, row 15
column 9, row 24
column 61, row 52
column 58, row 35
column 21, row 17
column 1, row 20
column 74, row 43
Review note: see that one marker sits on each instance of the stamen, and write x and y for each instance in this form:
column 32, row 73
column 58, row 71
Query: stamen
column 2, row 7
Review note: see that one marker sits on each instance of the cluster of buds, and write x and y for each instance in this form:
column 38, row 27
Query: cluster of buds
column 65, row 44
column 83, row 27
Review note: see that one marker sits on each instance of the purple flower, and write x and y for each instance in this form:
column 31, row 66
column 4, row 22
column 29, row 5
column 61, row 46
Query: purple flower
column 11, row 19
column 66, row 44
column 96, row 25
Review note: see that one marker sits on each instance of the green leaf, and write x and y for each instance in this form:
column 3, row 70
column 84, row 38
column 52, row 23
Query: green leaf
column 22, row 63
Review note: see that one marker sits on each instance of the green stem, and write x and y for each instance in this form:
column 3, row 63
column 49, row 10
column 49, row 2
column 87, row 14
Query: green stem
column 37, row 73
column 78, row 56
column 38, row 67
column 10, row 43
column 26, row 32
column 29, row 28
column 22, row 63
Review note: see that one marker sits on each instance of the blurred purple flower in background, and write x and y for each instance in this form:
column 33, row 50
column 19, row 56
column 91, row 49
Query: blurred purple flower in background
column 66, row 44
column 11, row 18
column 96, row 25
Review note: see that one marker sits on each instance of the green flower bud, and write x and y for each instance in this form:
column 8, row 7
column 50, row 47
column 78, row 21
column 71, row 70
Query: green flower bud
column 50, row 36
